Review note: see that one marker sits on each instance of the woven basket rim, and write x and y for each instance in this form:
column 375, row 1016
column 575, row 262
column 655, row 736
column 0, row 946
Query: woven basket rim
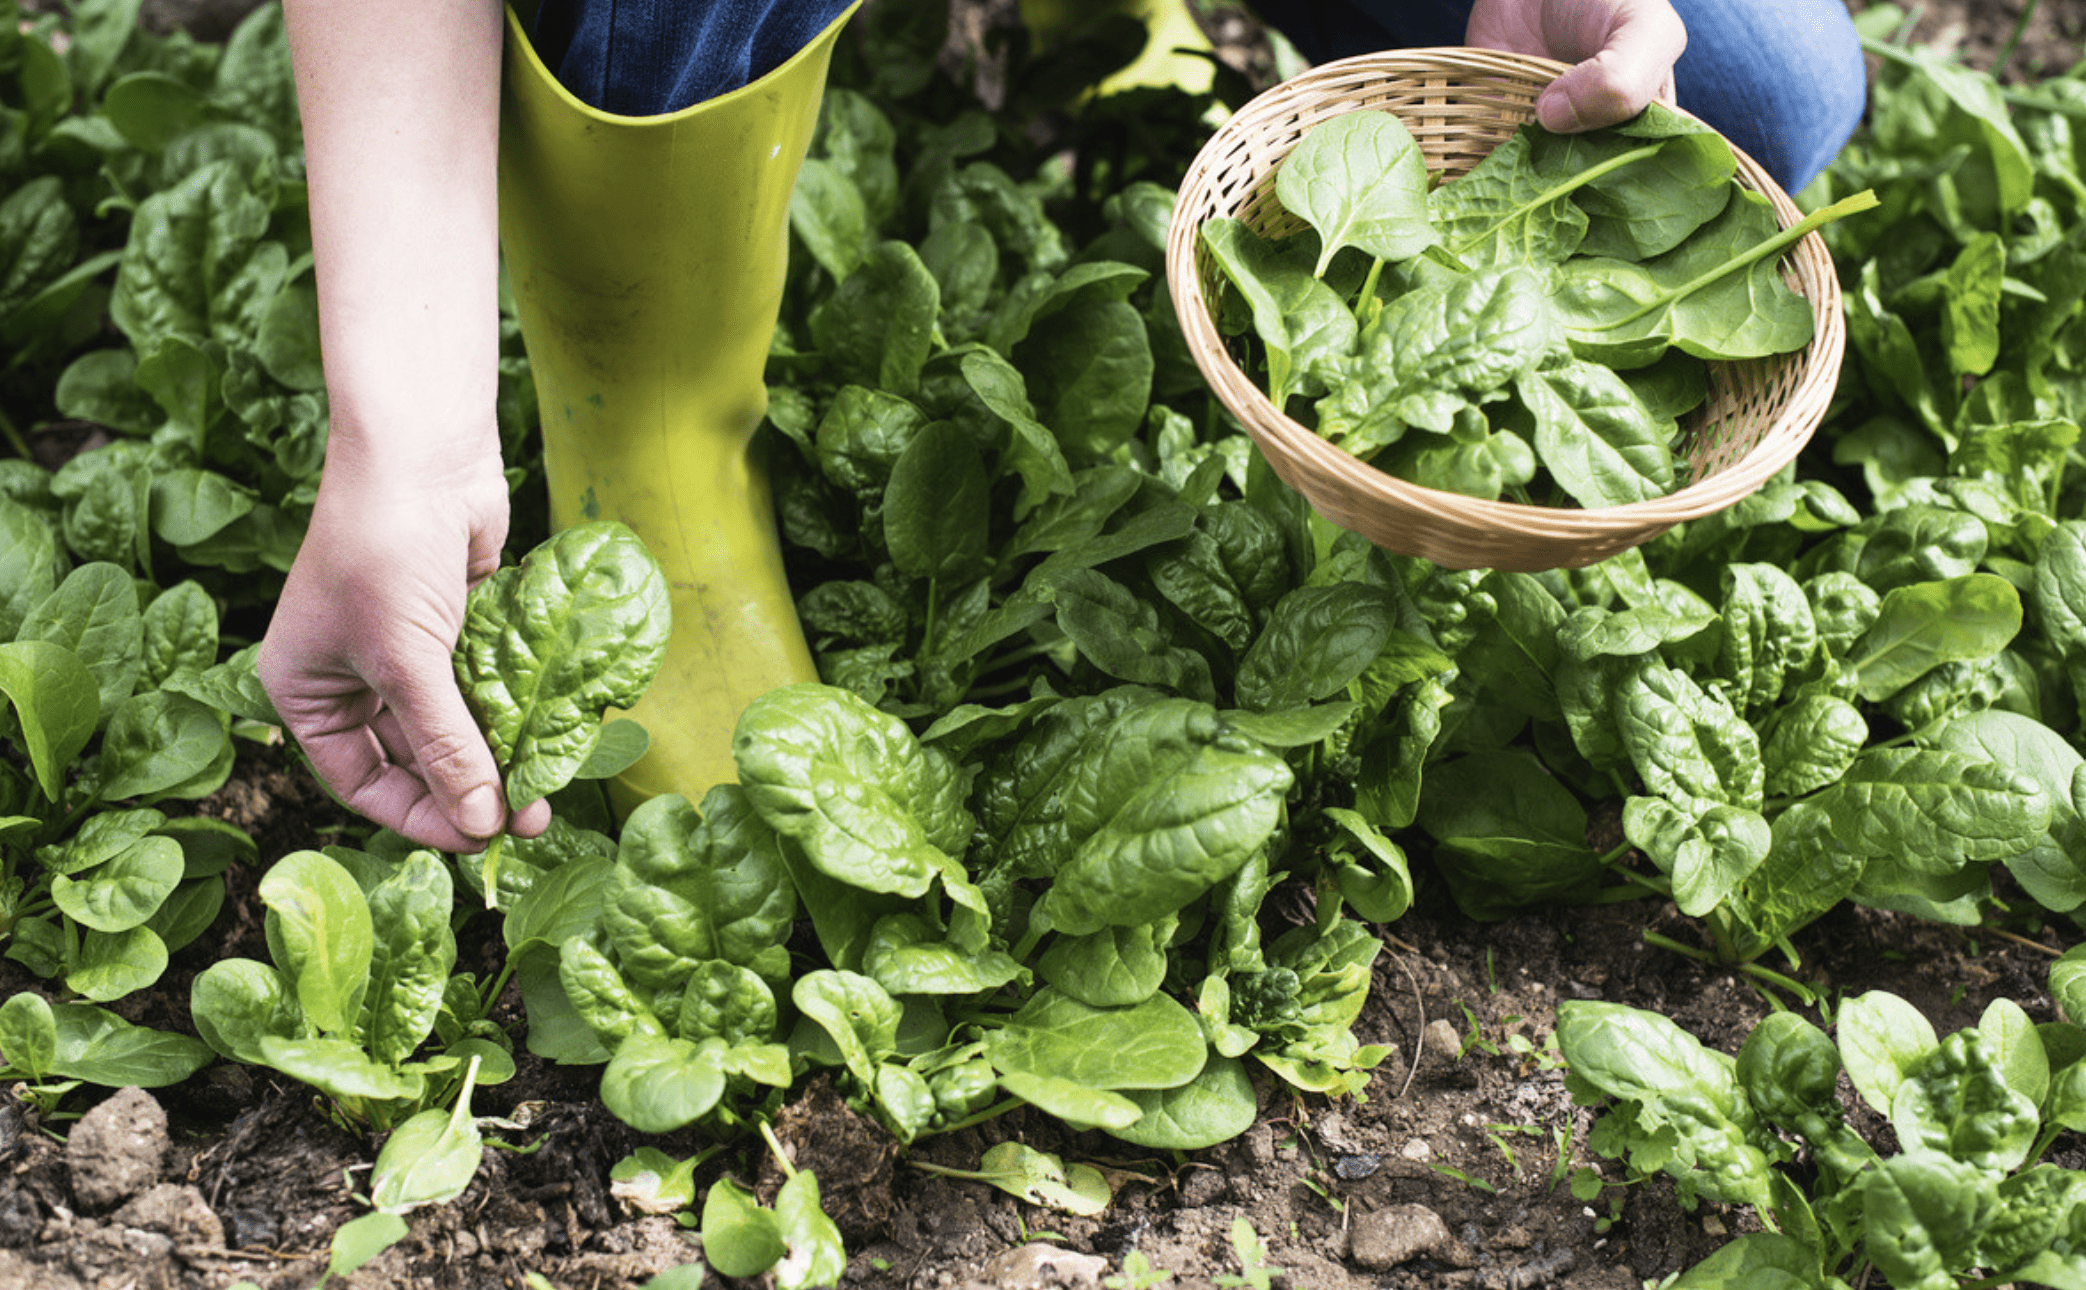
column 1796, row 416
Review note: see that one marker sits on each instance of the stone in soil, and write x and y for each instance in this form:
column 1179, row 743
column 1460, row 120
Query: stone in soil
column 114, row 1152
column 1038, row 1266
column 1388, row 1237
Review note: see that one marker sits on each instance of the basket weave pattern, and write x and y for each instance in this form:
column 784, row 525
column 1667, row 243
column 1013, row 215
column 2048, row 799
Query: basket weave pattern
column 1459, row 104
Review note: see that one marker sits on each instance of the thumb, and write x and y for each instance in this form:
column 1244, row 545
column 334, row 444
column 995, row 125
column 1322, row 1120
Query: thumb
column 1633, row 66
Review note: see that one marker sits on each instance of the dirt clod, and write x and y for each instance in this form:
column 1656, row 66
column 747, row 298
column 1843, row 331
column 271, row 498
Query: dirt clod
column 176, row 1210
column 1389, row 1237
column 115, row 1151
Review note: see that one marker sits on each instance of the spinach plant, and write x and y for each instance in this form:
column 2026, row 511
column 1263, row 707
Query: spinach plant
column 1964, row 1196
column 362, row 952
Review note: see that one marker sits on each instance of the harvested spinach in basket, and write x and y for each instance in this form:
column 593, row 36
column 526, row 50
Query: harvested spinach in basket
column 1550, row 311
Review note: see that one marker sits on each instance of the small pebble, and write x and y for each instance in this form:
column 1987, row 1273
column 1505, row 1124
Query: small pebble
column 1357, row 1166
column 1442, row 1041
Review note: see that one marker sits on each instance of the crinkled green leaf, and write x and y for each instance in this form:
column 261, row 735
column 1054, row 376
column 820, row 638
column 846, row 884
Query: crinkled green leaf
column 550, row 645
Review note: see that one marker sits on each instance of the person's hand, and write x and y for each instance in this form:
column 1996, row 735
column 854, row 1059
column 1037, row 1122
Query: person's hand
column 1622, row 52
column 357, row 656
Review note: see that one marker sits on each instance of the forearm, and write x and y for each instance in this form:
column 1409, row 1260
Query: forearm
column 400, row 103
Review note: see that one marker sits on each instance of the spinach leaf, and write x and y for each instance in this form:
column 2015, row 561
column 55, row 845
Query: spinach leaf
column 936, row 506
column 321, row 935
column 1360, row 180
column 878, row 328
column 1934, row 810
column 1687, row 742
column 549, row 645
column 1430, row 354
column 56, row 704
column 1502, row 211
column 688, row 889
column 868, row 804
column 1683, row 1108
column 1921, row 626
column 198, row 264
column 1641, row 199
column 1509, row 833
column 1601, row 443
column 1718, row 295
column 1123, row 635
column 1317, row 641
column 1164, row 805
column 1304, row 323
column 1089, row 369
column 94, row 613
column 1156, row 1044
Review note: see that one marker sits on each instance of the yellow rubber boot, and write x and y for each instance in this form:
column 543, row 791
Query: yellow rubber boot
column 647, row 257
column 1169, row 23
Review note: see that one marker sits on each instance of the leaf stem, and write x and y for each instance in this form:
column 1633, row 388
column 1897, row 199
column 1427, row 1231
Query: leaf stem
column 1769, row 976
column 2017, row 98
column 994, row 1111
column 499, row 983
column 782, row 1159
column 1577, row 181
column 1011, row 657
column 1367, row 298
column 1668, row 943
column 2022, row 941
column 1866, row 199
column 1720, row 933
column 13, row 434
column 1036, row 929
column 492, row 866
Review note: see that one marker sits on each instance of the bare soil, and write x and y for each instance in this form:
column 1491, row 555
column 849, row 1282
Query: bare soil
column 1450, row 1173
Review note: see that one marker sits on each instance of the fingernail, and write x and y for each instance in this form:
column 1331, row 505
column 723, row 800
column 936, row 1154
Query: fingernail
column 1554, row 109
column 480, row 815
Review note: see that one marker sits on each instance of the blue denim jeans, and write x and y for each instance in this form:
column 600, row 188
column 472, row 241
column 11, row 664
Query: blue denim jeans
column 1782, row 79
column 645, row 57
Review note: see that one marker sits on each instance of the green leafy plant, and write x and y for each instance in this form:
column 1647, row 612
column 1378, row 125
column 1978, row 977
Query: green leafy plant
column 548, row 646
column 363, row 950
column 1037, row 1177
column 53, row 1049
column 1963, row 1196
column 794, row 1241
column 1254, row 1269
column 1137, row 1274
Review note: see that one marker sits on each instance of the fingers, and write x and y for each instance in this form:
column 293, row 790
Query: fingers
column 447, row 751
column 530, row 820
column 1632, row 65
column 350, row 759
column 400, row 749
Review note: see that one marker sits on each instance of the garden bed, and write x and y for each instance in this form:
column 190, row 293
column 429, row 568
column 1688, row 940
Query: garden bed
column 1465, row 1161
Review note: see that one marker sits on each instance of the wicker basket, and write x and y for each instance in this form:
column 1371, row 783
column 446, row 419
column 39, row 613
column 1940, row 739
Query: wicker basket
column 1459, row 104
